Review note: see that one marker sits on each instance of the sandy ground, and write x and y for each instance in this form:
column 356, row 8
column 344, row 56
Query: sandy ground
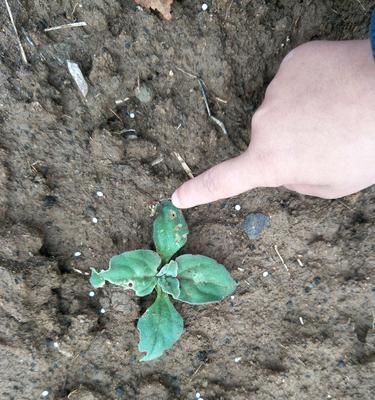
column 301, row 332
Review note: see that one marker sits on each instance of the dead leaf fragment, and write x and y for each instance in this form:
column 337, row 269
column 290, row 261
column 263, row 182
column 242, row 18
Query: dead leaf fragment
column 163, row 6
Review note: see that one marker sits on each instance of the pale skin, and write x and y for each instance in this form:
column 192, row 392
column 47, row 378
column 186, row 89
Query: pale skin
column 314, row 133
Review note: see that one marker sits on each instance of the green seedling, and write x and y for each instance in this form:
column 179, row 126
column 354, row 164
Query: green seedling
column 193, row 279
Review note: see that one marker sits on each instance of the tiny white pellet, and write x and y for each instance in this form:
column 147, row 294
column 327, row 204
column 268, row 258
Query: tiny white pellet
column 95, row 220
column 45, row 393
column 92, row 293
column 102, row 311
column 55, row 345
column 99, row 193
column 237, row 359
column 171, row 73
column 265, row 274
column 301, row 320
column 204, row 7
column 198, row 395
column 77, row 254
column 237, row 207
column 132, row 115
column 232, row 297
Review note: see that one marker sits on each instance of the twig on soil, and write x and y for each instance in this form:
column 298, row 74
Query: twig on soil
column 23, row 54
column 203, row 92
column 79, row 79
column 80, row 272
column 74, row 8
column 184, row 166
column 227, row 12
column 74, row 391
column 186, row 73
column 363, row 7
column 221, row 100
column 281, row 259
column 116, row 115
column 217, row 121
column 66, row 26
column 196, row 371
column 125, row 131
column 122, row 100
column 345, row 205
column 220, row 124
column 157, row 161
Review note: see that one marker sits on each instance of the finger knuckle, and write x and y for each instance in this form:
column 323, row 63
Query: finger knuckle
column 258, row 120
column 210, row 182
column 301, row 50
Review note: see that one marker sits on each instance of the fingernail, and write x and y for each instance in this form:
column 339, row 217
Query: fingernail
column 175, row 200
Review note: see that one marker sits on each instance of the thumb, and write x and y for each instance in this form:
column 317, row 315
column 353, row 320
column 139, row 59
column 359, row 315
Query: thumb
column 227, row 179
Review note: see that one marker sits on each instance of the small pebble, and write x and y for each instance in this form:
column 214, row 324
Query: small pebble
column 254, row 224
column 131, row 115
column 232, row 297
column 317, row 280
column 237, row 359
column 45, row 393
column 171, row 73
column 99, row 194
column 94, row 220
column 204, row 7
column 77, row 254
column 265, row 273
column 202, row 355
column 92, row 293
column 102, row 311
column 143, row 94
column 49, row 201
column 120, row 392
column 237, row 207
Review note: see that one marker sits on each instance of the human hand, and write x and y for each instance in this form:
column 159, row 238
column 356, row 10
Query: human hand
column 314, row 132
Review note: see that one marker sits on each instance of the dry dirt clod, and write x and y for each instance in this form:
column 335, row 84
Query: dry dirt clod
column 163, row 6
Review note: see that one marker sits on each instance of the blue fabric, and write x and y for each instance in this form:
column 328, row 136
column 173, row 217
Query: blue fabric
column 372, row 33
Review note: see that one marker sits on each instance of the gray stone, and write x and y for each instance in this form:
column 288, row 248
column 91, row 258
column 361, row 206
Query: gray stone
column 254, row 224
column 143, row 94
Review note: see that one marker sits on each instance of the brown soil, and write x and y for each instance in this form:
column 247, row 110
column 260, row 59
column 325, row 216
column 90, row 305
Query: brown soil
column 303, row 334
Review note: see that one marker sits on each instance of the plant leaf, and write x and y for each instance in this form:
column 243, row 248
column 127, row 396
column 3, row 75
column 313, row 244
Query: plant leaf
column 163, row 6
column 133, row 270
column 159, row 327
column 167, row 279
column 170, row 230
column 169, row 285
column 169, row 269
column 202, row 280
